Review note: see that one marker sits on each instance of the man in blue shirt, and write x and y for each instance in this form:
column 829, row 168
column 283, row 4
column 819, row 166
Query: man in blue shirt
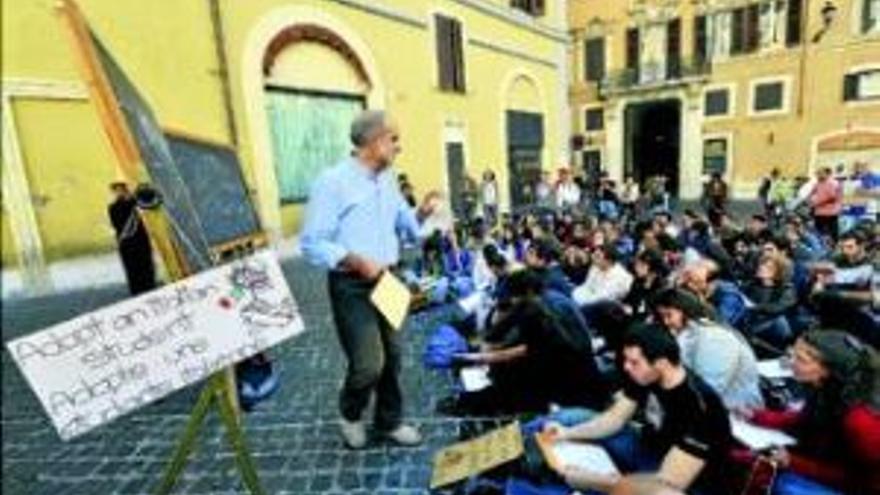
column 354, row 218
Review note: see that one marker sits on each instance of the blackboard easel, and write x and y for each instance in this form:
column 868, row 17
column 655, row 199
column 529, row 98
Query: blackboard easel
column 220, row 391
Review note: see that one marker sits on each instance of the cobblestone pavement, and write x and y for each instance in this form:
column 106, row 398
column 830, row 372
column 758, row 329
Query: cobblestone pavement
column 293, row 437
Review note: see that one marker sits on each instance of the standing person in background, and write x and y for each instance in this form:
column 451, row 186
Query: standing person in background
column 715, row 197
column 827, row 202
column 489, row 198
column 764, row 190
column 803, row 187
column 353, row 218
column 407, row 190
column 544, row 192
column 780, row 194
column 630, row 197
column 470, row 197
column 132, row 240
column 568, row 194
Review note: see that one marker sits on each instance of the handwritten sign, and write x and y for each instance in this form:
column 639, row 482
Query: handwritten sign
column 96, row 367
column 465, row 459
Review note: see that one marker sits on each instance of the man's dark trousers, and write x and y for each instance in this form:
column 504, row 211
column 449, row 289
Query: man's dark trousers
column 372, row 349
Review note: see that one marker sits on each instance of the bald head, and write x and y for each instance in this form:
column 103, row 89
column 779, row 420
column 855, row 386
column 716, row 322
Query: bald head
column 375, row 138
column 367, row 126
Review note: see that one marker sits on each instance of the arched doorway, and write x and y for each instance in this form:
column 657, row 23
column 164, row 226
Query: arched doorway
column 314, row 86
column 338, row 60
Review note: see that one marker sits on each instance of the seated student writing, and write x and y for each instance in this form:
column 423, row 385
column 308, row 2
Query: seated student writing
column 838, row 429
column 539, row 351
column 684, row 447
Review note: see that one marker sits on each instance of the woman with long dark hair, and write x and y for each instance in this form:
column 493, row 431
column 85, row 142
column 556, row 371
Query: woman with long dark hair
column 838, row 429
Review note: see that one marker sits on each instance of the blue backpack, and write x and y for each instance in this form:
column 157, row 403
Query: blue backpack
column 442, row 346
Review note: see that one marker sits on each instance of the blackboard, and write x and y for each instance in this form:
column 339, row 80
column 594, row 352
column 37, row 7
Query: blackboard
column 213, row 176
column 159, row 162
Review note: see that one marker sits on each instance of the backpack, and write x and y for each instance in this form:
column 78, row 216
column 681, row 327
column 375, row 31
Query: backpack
column 442, row 346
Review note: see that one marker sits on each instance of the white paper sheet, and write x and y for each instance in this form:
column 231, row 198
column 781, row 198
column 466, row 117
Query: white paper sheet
column 758, row 437
column 471, row 303
column 774, row 368
column 475, row 378
column 587, row 456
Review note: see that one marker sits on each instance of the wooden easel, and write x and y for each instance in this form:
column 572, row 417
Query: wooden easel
column 221, row 390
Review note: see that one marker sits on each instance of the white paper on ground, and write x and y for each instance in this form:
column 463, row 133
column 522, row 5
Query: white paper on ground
column 758, row 437
column 586, row 456
column 475, row 378
column 471, row 303
column 774, row 368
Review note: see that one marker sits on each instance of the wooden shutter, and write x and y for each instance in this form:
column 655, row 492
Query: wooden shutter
column 457, row 47
column 673, row 49
column 450, row 54
column 752, row 33
column 737, row 30
column 595, row 59
column 793, row 23
column 700, row 38
column 632, row 48
column 444, row 52
column 538, row 7
column 632, row 53
column 851, row 87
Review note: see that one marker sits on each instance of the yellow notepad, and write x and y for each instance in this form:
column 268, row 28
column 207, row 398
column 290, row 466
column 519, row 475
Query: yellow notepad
column 392, row 298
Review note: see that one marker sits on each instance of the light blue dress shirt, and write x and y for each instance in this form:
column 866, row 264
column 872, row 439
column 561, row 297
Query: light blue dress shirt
column 354, row 210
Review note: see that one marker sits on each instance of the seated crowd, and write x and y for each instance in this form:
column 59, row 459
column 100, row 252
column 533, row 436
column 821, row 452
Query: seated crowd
column 653, row 326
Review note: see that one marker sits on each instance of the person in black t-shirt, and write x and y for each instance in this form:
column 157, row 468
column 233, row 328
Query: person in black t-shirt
column 686, row 438
column 539, row 352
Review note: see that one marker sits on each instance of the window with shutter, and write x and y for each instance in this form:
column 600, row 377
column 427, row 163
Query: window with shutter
column 793, row 25
column 716, row 102
column 752, row 34
column 737, row 31
column 594, row 119
column 870, row 16
column 444, row 55
column 450, row 54
column 673, row 49
column 768, row 97
column 700, row 40
column 850, row 87
column 457, row 58
column 595, row 62
column 535, row 8
column 632, row 53
column 860, row 86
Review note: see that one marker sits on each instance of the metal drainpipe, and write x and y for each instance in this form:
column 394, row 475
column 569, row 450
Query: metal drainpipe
column 223, row 69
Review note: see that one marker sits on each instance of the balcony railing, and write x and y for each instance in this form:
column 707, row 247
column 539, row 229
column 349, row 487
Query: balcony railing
column 654, row 75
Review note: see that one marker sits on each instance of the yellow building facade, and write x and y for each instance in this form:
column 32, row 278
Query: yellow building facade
column 688, row 88
column 278, row 80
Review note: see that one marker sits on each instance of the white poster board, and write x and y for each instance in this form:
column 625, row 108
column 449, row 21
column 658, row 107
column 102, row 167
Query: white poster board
column 98, row 366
